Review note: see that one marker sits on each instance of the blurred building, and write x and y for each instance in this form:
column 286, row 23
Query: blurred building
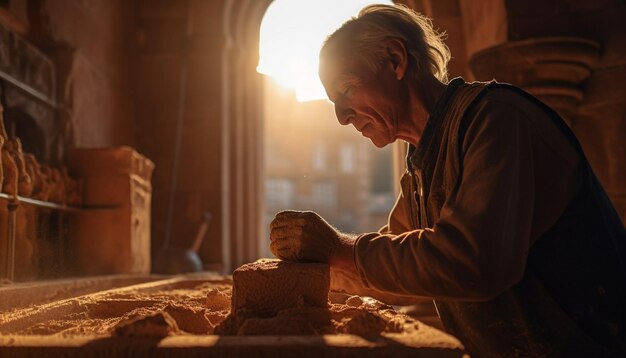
column 313, row 163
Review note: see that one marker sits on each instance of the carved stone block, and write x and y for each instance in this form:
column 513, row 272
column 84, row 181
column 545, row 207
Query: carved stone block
column 117, row 239
column 264, row 287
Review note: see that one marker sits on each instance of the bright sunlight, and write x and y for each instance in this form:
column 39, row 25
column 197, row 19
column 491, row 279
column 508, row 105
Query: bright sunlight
column 292, row 33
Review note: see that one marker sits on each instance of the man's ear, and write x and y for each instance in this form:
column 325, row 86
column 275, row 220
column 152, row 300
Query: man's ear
column 398, row 56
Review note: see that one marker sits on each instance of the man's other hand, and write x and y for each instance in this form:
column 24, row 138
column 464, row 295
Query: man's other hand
column 302, row 236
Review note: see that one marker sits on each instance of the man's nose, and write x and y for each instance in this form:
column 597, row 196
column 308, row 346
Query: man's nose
column 344, row 114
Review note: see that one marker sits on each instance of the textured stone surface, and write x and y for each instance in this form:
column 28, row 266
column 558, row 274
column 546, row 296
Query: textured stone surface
column 266, row 286
column 116, row 240
column 162, row 33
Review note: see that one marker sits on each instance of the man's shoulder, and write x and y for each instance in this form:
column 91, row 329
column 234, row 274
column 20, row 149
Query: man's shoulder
column 507, row 110
column 506, row 94
column 498, row 96
column 494, row 95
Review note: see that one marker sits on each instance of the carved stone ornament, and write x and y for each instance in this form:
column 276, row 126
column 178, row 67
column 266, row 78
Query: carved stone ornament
column 551, row 68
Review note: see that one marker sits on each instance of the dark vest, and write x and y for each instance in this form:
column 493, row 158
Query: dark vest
column 573, row 306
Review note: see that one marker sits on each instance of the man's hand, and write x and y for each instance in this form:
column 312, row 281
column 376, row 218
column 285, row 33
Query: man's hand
column 303, row 236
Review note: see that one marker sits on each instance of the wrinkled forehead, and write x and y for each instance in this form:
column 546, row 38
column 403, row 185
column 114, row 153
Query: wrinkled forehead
column 335, row 66
column 336, row 76
column 332, row 70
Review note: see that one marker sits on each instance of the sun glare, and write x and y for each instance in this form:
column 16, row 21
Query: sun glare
column 292, row 32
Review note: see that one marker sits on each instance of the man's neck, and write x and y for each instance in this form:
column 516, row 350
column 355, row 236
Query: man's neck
column 424, row 95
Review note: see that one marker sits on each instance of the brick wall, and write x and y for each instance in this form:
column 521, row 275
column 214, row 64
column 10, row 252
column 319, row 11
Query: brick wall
column 93, row 42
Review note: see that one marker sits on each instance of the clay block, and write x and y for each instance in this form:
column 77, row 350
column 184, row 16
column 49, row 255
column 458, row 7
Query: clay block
column 264, row 287
column 116, row 240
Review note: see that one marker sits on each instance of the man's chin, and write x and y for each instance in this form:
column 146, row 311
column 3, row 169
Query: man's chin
column 379, row 143
column 382, row 141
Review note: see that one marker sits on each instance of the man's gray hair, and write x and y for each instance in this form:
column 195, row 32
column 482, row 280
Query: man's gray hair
column 363, row 39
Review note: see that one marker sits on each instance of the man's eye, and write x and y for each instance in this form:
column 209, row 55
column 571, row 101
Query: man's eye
column 346, row 90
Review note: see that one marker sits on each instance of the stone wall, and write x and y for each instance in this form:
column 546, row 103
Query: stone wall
column 92, row 44
column 120, row 66
column 176, row 36
column 90, row 105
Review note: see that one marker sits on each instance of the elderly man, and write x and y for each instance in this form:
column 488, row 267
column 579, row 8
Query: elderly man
column 500, row 220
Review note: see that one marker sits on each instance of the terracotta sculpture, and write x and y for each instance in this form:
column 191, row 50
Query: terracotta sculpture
column 24, row 182
column 33, row 168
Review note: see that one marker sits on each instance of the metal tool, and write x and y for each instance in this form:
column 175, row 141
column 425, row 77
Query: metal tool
column 174, row 260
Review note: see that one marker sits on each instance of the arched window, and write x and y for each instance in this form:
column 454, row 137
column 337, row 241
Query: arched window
column 292, row 33
column 325, row 166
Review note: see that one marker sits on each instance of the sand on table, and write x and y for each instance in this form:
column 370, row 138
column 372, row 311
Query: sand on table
column 302, row 306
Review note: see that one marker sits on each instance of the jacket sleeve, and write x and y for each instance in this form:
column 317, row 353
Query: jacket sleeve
column 479, row 245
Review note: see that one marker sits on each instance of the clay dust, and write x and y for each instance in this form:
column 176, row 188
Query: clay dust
column 196, row 309
column 204, row 308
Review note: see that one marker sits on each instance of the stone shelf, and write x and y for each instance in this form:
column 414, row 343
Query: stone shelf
column 13, row 202
column 54, row 206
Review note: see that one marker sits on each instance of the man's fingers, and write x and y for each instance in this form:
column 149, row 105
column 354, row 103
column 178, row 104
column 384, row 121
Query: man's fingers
column 293, row 217
column 274, row 249
column 301, row 236
column 286, row 252
column 279, row 223
column 286, row 232
column 289, row 214
column 287, row 221
column 285, row 249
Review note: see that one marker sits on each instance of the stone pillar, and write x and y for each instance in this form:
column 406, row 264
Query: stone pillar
column 242, row 150
column 601, row 128
column 551, row 68
column 114, row 239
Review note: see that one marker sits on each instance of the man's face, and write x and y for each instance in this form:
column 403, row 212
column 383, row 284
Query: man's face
column 372, row 102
